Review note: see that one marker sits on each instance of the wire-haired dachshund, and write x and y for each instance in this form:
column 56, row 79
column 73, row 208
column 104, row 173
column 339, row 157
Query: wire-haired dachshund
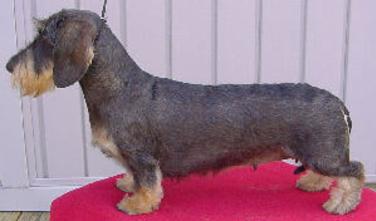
column 157, row 127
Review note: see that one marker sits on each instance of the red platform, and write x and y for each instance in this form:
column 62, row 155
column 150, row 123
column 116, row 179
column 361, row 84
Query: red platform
column 235, row 194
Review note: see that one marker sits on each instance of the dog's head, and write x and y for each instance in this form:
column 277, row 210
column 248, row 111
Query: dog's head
column 59, row 55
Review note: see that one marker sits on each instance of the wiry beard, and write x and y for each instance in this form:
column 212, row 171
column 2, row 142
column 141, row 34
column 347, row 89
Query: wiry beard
column 30, row 83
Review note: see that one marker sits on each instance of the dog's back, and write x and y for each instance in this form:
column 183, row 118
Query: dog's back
column 198, row 126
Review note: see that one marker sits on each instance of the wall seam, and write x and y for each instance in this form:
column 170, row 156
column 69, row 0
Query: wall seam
column 258, row 56
column 346, row 45
column 77, row 4
column 168, row 37
column 40, row 111
column 303, row 41
column 214, row 42
column 123, row 21
column 83, row 118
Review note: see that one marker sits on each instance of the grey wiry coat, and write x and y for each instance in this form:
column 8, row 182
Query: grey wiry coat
column 156, row 126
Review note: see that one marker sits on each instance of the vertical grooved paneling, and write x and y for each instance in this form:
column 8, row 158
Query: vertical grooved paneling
column 113, row 14
column 146, row 36
column 361, row 81
column 123, row 21
column 192, row 31
column 168, row 29
column 325, row 40
column 61, row 113
column 236, row 41
column 303, row 40
column 42, row 138
column 94, row 5
column 258, row 51
column 13, row 165
column 32, row 110
column 83, row 118
column 281, row 37
column 40, row 118
column 39, row 129
column 97, row 164
column 346, row 50
column 77, row 4
column 84, row 129
column 30, row 126
column 214, row 41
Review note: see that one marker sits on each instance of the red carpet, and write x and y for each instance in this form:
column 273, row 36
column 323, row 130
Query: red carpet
column 236, row 194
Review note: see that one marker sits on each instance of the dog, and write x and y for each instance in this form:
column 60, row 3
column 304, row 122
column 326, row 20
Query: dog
column 157, row 127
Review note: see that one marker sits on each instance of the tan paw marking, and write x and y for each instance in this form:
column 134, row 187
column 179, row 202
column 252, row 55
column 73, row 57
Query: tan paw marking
column 313, row 182
column 125, row 183
column 345, row 197
column 145, row 200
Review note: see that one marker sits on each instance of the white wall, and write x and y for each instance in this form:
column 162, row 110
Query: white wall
column 12, row 144
column 329, row 44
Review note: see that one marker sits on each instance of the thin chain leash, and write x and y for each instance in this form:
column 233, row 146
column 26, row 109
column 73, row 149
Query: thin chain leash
column 103, row 14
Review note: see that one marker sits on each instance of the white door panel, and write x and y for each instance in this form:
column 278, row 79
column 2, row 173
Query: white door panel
column 47, row 141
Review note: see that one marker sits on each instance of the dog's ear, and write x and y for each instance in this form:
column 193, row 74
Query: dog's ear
column 73, row 51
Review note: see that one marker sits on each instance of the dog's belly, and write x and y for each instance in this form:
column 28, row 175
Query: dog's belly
column 203, row 161
column 269, row 155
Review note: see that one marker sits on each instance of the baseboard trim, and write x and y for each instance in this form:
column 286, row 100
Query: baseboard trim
column 371, row 178
column 30, row 199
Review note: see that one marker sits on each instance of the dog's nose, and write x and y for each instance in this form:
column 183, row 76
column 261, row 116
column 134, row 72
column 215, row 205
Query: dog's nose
column 10, row 65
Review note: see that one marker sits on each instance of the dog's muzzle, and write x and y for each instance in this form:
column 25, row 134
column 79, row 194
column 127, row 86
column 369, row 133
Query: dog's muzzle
column 11, row 64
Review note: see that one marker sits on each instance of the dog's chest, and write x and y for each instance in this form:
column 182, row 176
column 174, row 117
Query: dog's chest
column 103, row 140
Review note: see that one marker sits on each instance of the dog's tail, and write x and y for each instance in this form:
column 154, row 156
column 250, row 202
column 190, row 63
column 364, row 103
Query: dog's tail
column 353, row 169
column 355, row 166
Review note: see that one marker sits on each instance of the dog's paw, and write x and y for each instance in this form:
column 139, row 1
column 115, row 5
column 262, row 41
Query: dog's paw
column 345, row 197
column 125, row 184
column 143, row 201
column 313, row 182
column 341, row 205
column 135, row 205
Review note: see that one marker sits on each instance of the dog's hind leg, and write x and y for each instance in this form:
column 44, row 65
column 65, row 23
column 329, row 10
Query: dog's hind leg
column 314, row 182
column 148, row 191
column 347, row 194
column 326, row 152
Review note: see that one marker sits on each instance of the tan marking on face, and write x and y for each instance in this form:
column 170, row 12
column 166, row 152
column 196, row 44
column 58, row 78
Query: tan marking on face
column 313, row 182
column 145, row 199
column 345, row 196
column 30, row 83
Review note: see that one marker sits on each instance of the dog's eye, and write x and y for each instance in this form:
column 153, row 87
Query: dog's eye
column 59, row 23
column 41, row 30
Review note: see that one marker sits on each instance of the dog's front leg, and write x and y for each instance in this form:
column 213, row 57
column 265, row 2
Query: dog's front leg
column 147, row 190
column 126, row 183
